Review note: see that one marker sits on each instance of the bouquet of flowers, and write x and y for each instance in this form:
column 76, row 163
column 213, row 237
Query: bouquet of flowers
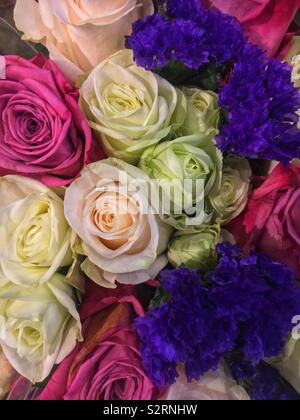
column 149, row 200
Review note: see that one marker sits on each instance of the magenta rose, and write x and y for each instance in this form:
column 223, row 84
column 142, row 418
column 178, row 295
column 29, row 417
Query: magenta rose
column 107, row 365
column 43, row 133
column 271, row 220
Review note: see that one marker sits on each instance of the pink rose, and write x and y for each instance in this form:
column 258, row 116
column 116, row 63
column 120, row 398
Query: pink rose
column 43, row 133
column 266, row 21
column 271, row 221
column 107, row 365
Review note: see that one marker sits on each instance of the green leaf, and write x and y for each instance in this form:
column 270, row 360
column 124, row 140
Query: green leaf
column 207, row 77
column 161, row 296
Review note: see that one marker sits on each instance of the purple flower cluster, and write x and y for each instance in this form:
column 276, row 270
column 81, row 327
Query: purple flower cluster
column 188, row 34
column 260, row 102
column 245, row 305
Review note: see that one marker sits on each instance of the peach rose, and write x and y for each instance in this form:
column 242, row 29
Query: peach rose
column 79, row 34
column 109, row 208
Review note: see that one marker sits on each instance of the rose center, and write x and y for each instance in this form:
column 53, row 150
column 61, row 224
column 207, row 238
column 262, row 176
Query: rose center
column 29, row 125
column 122, row 99
column 33, row 237
column 29, row 339
column 200, row 104
column 114, row 216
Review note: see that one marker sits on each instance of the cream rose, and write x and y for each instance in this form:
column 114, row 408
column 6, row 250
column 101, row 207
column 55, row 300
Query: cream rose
column 34, row 234
column 39, row 326
column 108, row 207
column 79, row 34
column 130, row 108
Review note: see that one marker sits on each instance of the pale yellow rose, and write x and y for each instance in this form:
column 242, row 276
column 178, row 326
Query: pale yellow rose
column 231, row 199
column 203, row 113
column 34, row 234
column 109, row 209
column 39, row 326
column 194, row 248
column 79, row 34
column 130, row 108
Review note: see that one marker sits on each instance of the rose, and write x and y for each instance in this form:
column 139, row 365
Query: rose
column 214, row 385
column 270, row 222
column 39, row 326
column 107, row 365
column 232, row 197
column 79, row 35
column 203, row 113
column 187, row 170
column 43, row 133
column 194, row 249
column 128, row 107
column 108, row 207
column 34, row 234
column 266, row 21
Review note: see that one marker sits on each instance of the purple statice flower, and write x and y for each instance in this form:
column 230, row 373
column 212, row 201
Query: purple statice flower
column 224, row 37
column 187, row 10
column 186, row 33
column 260, row 102
column 150, row 42
column 244, row 306
column 188, row 43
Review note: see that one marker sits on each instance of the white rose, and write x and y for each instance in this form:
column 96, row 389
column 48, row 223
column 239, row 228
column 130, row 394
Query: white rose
column 130, row 108
column 34, row 234
column 39, row 326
